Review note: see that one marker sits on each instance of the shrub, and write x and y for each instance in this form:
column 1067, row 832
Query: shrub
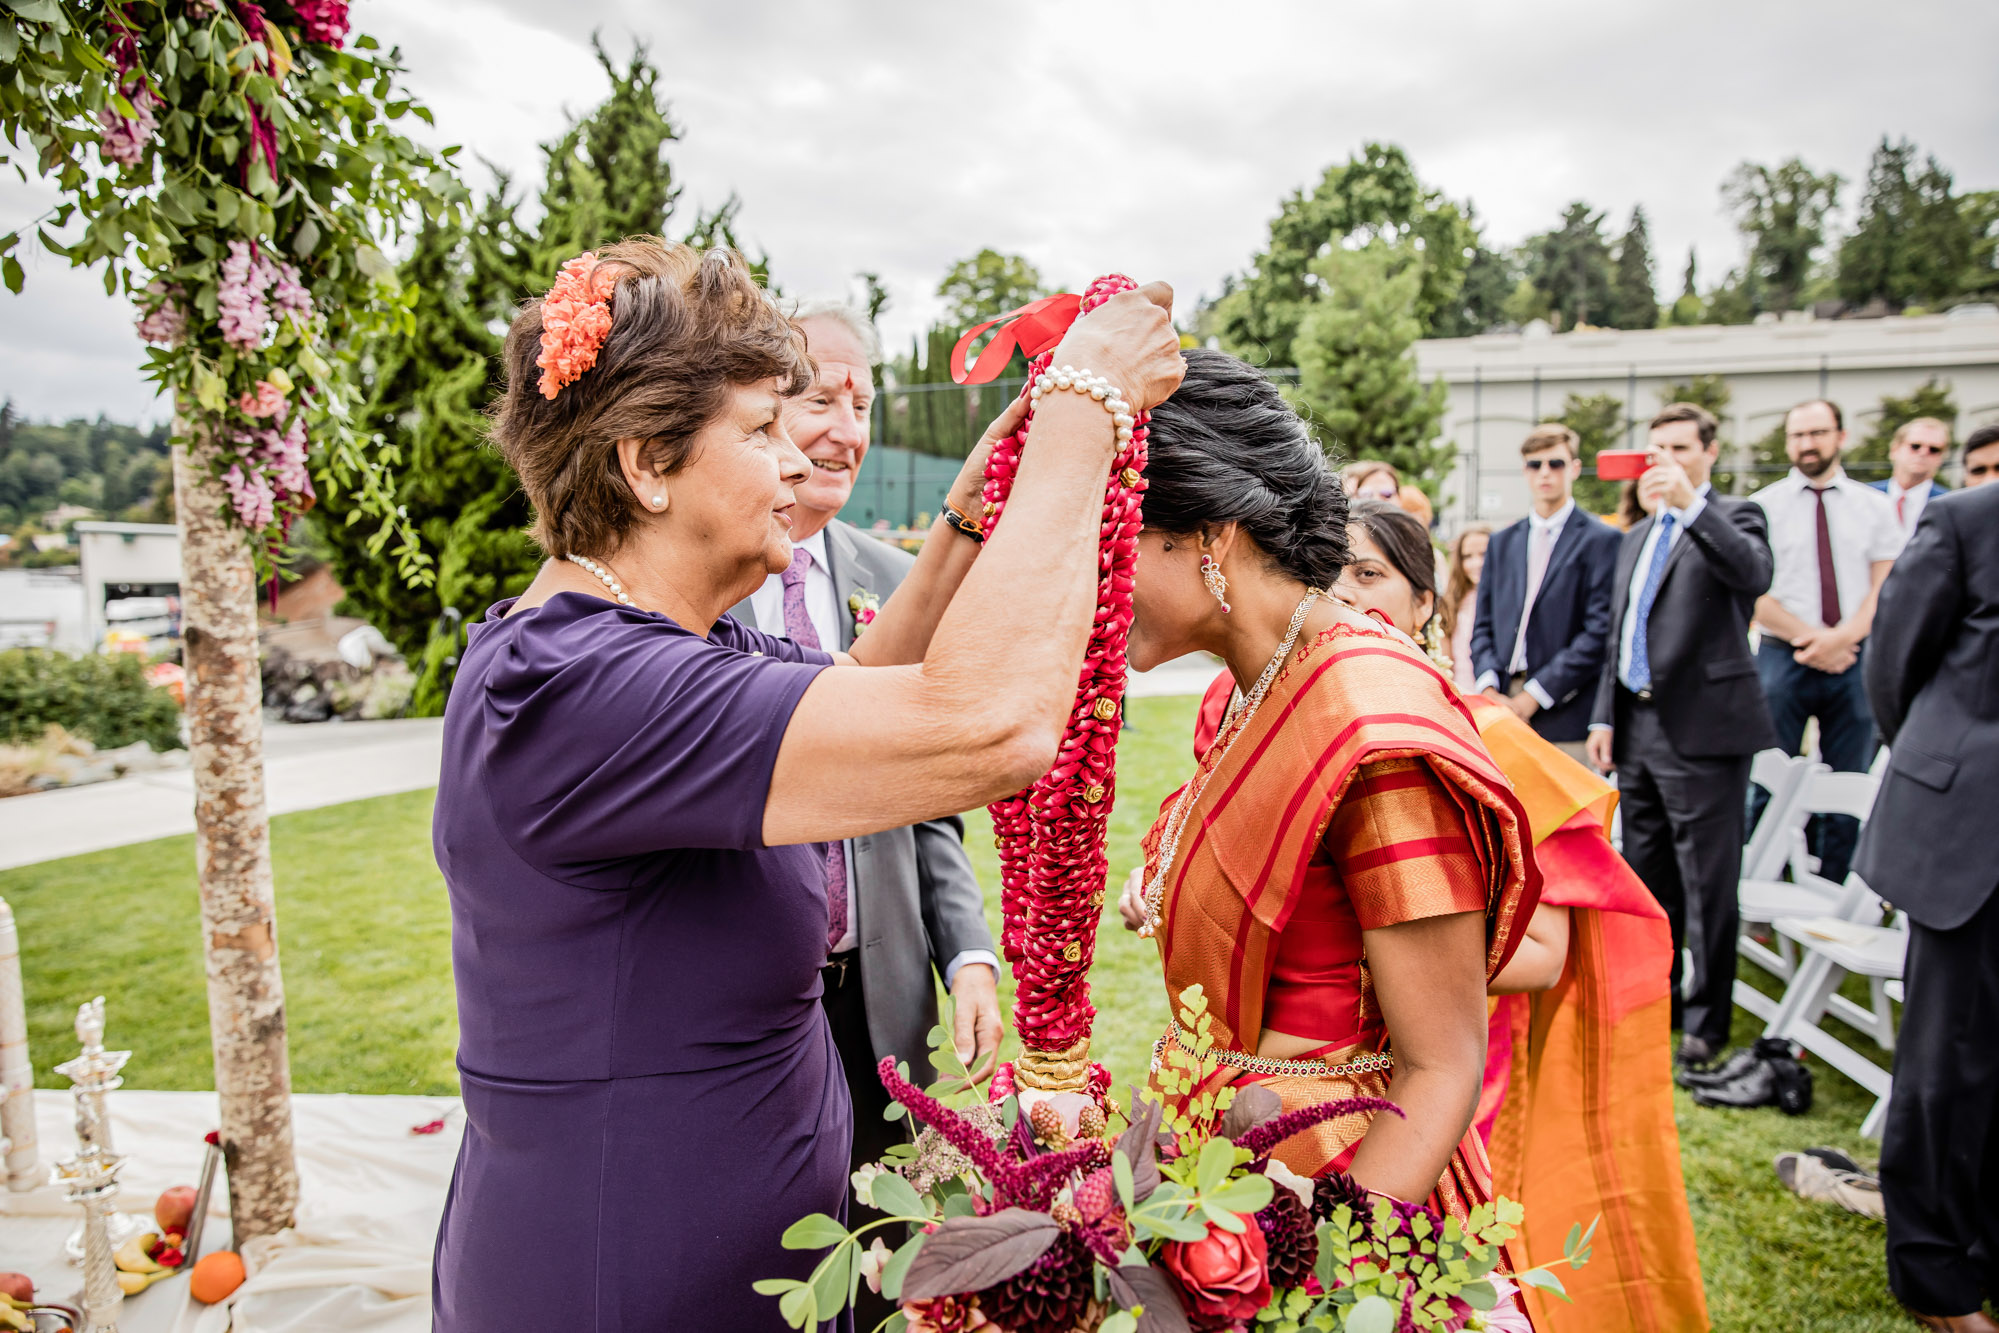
column 102, row 697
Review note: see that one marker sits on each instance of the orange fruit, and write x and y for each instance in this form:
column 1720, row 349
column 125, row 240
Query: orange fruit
column 215, row 1276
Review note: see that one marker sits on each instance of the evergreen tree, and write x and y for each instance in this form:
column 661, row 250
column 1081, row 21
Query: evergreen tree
column 1912, row 243
column 1358, row 384
column 1481, row 301
column 1781, row 212
column 1599, row 424
column 1570, row 266
column 1981, row 226
column 1688, row 308
column 1634, row 302
column 607, row 177
column 1374, row 196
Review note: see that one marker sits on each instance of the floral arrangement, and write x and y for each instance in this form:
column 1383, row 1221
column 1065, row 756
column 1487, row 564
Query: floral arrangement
column 246, row 168
column 1036, row 1214
column 864, row 606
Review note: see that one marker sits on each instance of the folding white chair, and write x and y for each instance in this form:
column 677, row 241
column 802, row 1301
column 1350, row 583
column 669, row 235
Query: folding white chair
column 1764, row 900
column 1769, row 847
column 1835, row 946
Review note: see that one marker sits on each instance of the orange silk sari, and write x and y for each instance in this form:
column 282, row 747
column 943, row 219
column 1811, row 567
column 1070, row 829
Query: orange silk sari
column 1577, row 1107
column 1355, row 695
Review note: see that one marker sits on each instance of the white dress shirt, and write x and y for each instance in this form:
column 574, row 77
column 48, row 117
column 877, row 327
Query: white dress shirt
column 1863, row 527
column 1908, row 503
column 1547, row 531
column 822, row 604
column 1681, row 518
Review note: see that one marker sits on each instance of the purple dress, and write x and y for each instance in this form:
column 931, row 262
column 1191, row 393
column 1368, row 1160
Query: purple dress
column 652, row 1094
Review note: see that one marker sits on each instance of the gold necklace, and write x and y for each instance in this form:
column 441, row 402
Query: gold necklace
column 1235, row 724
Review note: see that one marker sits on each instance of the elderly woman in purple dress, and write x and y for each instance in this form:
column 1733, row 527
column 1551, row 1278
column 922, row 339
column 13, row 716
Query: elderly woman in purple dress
column 637, row 789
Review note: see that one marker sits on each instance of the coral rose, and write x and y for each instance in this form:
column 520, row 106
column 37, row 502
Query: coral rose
column 1222, row 1276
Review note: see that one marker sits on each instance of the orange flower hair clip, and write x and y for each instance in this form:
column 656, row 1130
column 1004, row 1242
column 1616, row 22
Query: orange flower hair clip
column 575, row 320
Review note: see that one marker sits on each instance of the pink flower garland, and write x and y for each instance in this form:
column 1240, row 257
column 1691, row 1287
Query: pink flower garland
column 1051, row 836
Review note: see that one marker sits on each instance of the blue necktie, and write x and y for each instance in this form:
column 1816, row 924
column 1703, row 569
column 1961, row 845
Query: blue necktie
column 1640, row 675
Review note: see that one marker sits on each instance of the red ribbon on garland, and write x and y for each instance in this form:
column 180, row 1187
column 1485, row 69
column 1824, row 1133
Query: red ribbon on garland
column 1034, row 328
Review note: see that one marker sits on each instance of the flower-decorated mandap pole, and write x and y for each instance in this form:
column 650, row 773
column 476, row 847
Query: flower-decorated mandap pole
column 233, row 166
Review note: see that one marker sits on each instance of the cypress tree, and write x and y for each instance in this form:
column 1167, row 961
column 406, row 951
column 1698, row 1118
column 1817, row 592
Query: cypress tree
column 1634, row 304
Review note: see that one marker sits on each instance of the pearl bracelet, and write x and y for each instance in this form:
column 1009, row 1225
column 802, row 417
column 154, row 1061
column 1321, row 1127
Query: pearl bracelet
column 1082, row 381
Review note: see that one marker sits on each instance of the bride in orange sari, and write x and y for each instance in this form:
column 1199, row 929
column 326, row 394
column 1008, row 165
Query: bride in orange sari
column 1347, row 867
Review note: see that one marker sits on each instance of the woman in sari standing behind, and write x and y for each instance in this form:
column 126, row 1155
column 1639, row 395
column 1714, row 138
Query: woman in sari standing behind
column 1577, row 1107
column 1346, row 868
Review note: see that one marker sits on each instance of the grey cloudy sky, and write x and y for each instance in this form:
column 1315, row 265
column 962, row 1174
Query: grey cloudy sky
column 1152, row 138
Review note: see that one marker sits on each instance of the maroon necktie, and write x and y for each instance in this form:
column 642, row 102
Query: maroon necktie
column 1828, row 581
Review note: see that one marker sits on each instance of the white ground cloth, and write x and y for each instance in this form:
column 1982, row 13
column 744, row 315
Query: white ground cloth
column 358, row 1259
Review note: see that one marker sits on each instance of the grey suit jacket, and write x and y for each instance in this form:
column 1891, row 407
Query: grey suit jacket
column 916, row 902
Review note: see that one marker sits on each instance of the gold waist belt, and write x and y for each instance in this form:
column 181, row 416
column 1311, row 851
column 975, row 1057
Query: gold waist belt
column 1372, row 1063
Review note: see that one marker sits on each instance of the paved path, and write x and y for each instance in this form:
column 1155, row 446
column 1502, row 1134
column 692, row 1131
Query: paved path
column 306, row 767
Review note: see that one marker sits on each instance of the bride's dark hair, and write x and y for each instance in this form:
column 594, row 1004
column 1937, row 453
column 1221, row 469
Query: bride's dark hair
column 1227, row 448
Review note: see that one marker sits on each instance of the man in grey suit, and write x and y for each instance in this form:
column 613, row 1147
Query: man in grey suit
column 904, row 902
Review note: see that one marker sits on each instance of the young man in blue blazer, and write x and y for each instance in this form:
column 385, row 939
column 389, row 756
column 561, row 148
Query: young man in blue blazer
column 1542, row 627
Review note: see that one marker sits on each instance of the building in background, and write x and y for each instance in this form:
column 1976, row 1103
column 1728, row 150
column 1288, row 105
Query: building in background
column 1501, row 384
column 130, row 585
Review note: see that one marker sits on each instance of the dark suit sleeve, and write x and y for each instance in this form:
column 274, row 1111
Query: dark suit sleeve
column 1580, row 664
column 1921, row 605
column 1484, row 656
column 954, row 910
column 1736, row 540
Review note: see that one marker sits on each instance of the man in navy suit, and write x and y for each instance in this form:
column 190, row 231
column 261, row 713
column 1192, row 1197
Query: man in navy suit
column 1917, row 452
column 1542, row 628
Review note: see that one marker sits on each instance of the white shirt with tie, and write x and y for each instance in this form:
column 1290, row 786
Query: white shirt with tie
column 1861, row 522
column 822, row 604
column 1909, row 504
column 1542, row 534
column 1681, row 518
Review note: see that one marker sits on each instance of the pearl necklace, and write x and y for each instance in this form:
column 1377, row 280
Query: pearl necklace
column 603, row 575
column 1235, row 724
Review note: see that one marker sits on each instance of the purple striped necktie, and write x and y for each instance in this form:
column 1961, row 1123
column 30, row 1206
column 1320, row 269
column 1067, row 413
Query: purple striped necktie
column 799, row 629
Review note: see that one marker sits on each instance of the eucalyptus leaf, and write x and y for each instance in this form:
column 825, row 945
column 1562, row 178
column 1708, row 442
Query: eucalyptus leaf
column 897, row 1266
column 1479, row 1295
column 775, row 1286
column 1245, row 1194
column 815, row 1231
column 1371, row 1314
column 1544, row 1280
column 960, row 1205
column 896, row 1197
column 797, row 1308
column 1216, row 1161
column 833, row 1283
column 39, row 11
column 1121, row 1178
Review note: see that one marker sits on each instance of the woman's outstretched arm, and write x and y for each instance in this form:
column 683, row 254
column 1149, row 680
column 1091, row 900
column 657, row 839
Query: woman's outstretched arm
column 871, row 748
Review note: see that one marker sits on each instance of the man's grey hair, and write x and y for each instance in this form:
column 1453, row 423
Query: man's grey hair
column 849, row 316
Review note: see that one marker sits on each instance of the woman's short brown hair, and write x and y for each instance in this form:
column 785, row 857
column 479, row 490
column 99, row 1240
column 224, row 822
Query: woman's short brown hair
column 685, row 326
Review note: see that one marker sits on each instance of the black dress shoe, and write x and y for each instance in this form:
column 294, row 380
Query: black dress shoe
column 1693, row 1052
column 1776, row 1078
column 1733, row 1066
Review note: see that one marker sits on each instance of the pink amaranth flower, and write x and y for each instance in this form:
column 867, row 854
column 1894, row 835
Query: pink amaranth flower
column 125, row 141
column 289, row 294
column 250, row 495
column 266, row 400
column 287, row 455
column 162, row 321
column 325, row 20
column 242, row 310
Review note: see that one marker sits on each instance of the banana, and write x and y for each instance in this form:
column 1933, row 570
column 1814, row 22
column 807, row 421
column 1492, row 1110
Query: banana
column 11, row 1318
column 132, row 1257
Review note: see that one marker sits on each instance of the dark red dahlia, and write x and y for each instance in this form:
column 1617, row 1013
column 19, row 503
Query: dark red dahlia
column 1335, row 1188
column 1052, row 1295
column 1290, row 1238
column 323, row 20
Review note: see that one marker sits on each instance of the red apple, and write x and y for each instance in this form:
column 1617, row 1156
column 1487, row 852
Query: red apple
column 175, row 1209
column 17, row 1285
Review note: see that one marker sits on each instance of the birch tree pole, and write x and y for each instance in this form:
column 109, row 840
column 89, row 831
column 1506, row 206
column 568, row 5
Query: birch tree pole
column 232, row 166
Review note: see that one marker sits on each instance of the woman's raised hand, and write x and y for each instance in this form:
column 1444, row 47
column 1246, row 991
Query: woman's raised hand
column 1129, row 340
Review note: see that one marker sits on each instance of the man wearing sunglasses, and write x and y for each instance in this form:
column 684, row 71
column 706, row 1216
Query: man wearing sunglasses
column 1542, row 625
column 1981, row 457
column 1917, row 453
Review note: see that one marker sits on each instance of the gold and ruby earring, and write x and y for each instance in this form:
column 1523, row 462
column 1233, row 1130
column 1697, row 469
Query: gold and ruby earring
column 1218, row 582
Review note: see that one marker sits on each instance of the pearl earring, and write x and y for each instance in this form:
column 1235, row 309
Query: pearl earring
column 659, row 502
column 1218, row 582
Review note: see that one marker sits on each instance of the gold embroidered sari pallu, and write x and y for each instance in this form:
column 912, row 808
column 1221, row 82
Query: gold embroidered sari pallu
column 1254, row 850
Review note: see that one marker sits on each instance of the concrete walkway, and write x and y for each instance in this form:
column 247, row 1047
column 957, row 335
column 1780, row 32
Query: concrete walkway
column 306, row 767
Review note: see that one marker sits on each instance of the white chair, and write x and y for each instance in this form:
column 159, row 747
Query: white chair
column 1765, row 900
column 1769, row 847
column 1833, row 947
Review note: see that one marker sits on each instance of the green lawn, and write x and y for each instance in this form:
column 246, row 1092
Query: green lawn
column 366, row 947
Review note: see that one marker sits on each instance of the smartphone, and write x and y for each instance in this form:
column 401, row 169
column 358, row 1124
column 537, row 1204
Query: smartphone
column 1622, row 464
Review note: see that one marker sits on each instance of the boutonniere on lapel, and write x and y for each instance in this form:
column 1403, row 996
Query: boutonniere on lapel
column 864, row 605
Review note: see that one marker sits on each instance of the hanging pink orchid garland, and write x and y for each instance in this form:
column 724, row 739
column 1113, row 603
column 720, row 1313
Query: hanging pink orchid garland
column 1051, row 836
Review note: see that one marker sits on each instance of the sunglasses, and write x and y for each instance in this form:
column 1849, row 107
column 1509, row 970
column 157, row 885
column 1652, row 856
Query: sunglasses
column 1981, row 469
column 1536, row 464
column 1934, row 450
